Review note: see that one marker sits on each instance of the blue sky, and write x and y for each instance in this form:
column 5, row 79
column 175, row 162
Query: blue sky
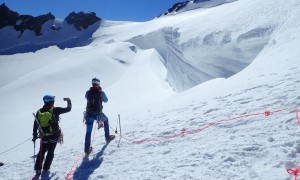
column 123, row 10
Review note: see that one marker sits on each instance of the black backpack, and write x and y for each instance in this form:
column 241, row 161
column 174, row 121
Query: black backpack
column 94, row 101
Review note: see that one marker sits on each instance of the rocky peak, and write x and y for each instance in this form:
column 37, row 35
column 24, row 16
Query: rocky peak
column 176, row 7
column 7, row 16
column 200, row 1
column 82, row 20
column 22, row 22
column 193, row 4
column 25, row 22
column 18, row 33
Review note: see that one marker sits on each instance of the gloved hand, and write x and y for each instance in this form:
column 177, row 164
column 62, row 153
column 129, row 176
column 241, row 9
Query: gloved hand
column 67, row 99
column 100, row 124
column 34, row 137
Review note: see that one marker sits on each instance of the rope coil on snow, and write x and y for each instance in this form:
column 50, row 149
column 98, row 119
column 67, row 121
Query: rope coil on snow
column 294, row 172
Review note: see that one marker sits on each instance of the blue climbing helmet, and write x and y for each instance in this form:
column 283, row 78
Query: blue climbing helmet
column 95, row 82
column 48, row 99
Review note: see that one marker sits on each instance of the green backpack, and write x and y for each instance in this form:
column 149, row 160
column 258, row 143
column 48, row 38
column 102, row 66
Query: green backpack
column 46, row 120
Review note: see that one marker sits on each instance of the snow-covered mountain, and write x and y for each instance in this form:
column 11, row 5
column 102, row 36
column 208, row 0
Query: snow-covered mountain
column 25, row 33
column 209, row 93
column 236, row 39
column 193, row 4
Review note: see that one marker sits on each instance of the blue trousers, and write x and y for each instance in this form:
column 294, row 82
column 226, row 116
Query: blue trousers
column 89, row 127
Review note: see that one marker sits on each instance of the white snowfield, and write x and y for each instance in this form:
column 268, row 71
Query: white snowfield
column 191, row 89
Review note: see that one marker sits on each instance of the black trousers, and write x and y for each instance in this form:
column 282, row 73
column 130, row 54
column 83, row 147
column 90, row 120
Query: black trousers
column 49, row 147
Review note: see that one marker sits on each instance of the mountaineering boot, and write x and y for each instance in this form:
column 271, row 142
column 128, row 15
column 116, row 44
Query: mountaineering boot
column 108, row 139
column 88, row 152
column 45, row 173
column 37, row 172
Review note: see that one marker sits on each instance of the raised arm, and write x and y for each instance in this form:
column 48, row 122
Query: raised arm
column 60, row 110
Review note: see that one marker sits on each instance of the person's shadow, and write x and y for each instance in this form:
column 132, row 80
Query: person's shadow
column 87, row 167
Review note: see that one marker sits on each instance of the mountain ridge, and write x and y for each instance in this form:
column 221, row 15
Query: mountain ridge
column 15, row 27
column 193, row 4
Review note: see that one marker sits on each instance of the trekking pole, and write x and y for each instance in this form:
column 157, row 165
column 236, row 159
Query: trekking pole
column 94, row 129
column 33, row 154
column 116, row 131
column 120, row 130
column 120, row 125
column 84, row 117
column 39, row 126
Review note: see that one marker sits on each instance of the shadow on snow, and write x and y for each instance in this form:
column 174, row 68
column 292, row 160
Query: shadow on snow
column 87, row 167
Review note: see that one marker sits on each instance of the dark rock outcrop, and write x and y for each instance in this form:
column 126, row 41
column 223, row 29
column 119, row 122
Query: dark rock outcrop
column 181, row 5
column 25, row 33
column 23, row 22
column 175, row 8
column 82, row 20
column 199, row 1
column 7, row 17
column 27, row 22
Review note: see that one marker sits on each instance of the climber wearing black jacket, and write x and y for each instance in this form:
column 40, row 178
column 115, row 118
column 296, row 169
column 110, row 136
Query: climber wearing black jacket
column 46, row 124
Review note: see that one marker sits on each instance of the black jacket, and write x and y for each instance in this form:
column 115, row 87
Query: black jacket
column 55, row 127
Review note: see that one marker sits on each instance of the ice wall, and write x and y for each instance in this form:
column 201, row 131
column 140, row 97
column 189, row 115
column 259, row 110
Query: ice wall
column 216, row 54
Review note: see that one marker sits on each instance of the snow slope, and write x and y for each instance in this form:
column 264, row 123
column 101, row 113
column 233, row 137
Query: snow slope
column 238, row 39
column 134, row 79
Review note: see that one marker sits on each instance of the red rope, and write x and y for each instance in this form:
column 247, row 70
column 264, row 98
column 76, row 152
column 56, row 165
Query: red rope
column 297, row 116
column 294, row 172
column 183, row 131
column 72, row 170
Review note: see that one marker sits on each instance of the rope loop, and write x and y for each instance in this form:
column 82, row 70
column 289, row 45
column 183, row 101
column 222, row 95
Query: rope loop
column 293, row 172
